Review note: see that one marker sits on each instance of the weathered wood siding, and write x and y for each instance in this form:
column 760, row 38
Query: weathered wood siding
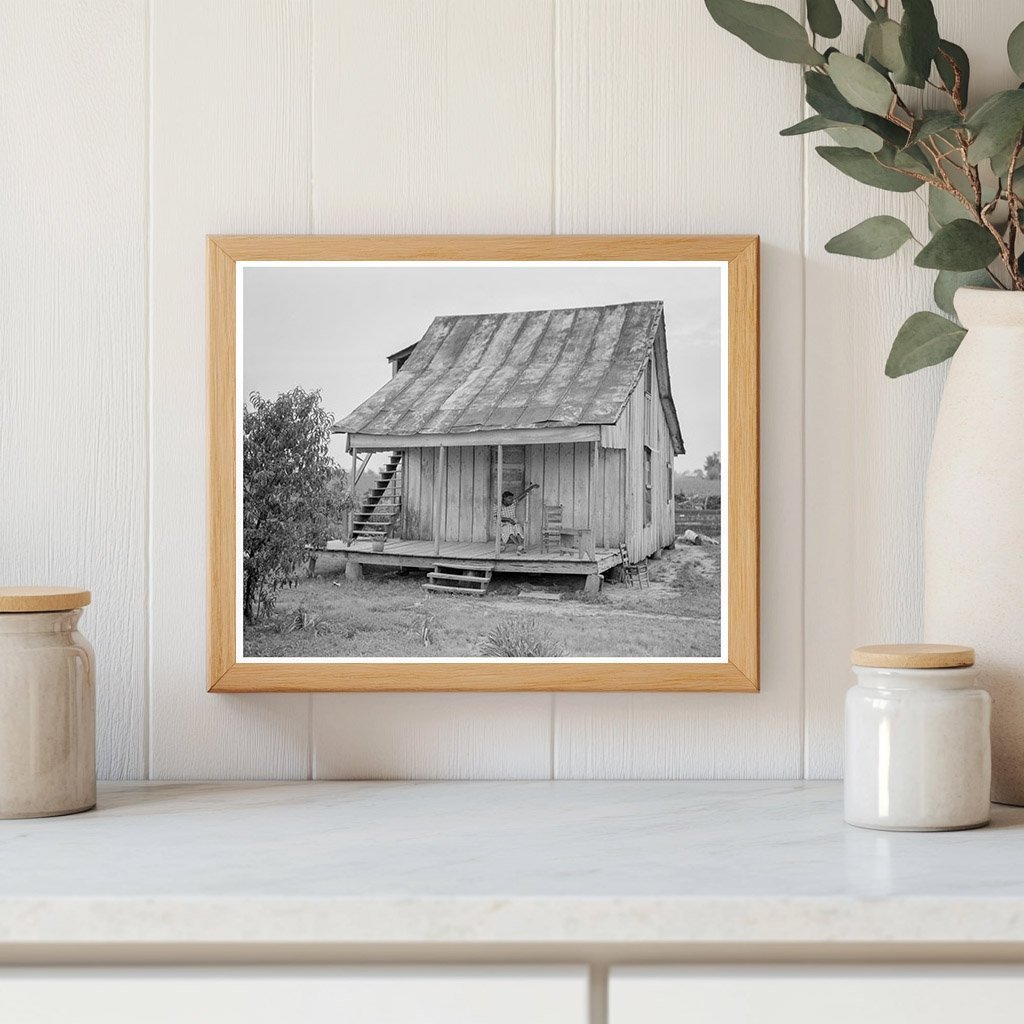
column 562, row 471
column 643, row 424
column 466, row 510
column 418, row 501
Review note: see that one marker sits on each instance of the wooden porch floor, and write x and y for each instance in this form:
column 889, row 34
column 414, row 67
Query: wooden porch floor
column 420, row 554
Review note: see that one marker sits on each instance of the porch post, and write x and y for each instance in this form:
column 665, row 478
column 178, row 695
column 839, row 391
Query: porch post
column 592, row 517
column 592, row 501
column 440, row 487
column 352, row 499
column 497, row 507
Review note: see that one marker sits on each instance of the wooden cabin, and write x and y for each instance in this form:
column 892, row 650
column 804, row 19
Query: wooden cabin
column 577, row 401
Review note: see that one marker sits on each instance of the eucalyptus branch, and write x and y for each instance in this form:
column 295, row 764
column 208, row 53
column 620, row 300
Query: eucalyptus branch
column 995, row 280
column 975, row 179
column 1013, row 203
column 902, row 105
column 905, row 49
column 955, row 94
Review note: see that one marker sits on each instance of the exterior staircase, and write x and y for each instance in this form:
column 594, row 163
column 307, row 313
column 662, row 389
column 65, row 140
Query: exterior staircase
column 463, row 578
column 381, row 504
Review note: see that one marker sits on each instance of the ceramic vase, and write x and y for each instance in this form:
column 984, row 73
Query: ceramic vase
column 974, row 517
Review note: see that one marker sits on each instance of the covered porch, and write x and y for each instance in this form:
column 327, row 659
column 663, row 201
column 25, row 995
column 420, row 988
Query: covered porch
column 568, row 492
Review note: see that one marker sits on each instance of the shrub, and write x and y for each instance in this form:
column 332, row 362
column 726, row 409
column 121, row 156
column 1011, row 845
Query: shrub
column 285, row 499
column 520, row 638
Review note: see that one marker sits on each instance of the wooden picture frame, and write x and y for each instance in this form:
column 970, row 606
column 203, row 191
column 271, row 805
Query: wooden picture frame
column 738, row 672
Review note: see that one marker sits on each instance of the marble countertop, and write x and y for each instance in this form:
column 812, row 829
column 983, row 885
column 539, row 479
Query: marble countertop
column 500, row 862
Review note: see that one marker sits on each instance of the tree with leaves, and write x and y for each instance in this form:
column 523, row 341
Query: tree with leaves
column 968, row 160
column 286, row 501
column 713, row 466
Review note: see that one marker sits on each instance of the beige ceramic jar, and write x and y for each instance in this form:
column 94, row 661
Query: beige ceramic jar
column 47, row 704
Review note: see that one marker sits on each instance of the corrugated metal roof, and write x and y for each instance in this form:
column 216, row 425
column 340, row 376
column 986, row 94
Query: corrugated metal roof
column 520, row 371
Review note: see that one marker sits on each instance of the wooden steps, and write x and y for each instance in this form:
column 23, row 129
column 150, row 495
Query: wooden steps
column 463, row 578
column 378, row 513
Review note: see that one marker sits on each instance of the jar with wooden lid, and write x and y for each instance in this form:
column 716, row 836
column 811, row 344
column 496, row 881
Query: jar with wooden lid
column 918, row 750
column 47, row 704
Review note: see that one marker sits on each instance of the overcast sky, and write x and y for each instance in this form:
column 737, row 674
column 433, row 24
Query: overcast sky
column 333, row 327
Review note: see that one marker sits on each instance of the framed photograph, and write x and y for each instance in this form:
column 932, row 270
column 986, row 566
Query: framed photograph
column 483, row 463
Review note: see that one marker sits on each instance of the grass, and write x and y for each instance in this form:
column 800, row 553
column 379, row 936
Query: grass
column 696, row 485
column 387, row 614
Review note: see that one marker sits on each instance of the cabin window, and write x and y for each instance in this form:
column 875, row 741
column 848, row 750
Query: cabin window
column 648, row 481
column 671, row 484
column 648, row 411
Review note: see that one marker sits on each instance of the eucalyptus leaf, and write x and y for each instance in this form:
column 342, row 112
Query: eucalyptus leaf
column 949, row 56
column 824, row 18
column 872, row 239
column 926, row 339
column 996, row 125
column 817, row 123
column 947, row 282
column 892, row 133
column 769, row 31
column 853, row 135
column 856, row 137
column 934, row 122
column 1001, row 162
column 825, row 98
column 864, row 167
column 860, row 85
column 882, row 44
column 1015, row 50
column 911, row 159
column 864, row 7
column 960, row 245
column 943, row 208
column 919, row 36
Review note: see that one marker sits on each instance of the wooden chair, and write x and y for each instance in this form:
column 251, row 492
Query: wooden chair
column 634, row 572
column 551, row 529
column 554, row 534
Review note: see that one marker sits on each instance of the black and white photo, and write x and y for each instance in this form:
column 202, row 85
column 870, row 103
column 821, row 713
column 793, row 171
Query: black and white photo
column 448, row 460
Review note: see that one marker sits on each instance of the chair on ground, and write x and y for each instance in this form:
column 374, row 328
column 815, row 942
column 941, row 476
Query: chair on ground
column 634, row 572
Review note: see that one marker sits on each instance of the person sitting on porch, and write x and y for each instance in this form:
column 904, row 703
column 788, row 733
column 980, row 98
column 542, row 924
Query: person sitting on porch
column 510, row 527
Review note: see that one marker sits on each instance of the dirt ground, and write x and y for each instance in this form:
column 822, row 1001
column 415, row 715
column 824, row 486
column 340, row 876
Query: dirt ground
column 388, row 614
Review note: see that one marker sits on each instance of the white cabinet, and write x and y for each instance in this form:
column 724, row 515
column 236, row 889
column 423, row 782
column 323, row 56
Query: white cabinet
column 373, row 995
column 812, row 995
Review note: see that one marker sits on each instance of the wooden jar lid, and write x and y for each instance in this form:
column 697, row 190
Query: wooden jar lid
column 913, row 656
column 42, row 599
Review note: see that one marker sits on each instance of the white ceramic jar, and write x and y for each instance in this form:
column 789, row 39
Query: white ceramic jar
column 47, row 704
column 918, row 749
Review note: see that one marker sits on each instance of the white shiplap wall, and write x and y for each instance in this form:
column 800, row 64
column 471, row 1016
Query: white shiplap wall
column 131, row 130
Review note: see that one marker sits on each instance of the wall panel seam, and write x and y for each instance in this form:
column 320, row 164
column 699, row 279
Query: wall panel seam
column 556, row 141
column 147, row 710
column 311, row 100
column 805, row 218
column 556, row 225
column 310, row 227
